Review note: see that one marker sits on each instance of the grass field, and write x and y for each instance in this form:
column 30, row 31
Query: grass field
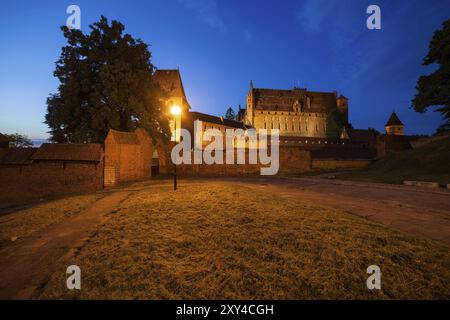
column 428, row 163
column 221, row 241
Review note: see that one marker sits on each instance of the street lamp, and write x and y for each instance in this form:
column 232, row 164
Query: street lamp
column 175, row 110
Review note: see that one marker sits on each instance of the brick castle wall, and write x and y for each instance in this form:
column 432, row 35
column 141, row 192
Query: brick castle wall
column 292, row 160
column 30, row 182
column 330, row 164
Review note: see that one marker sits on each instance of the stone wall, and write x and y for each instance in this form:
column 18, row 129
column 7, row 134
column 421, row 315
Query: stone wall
column 47, row 179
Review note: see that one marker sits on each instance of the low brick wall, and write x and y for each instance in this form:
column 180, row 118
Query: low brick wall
column 292, row 160
column 338, row 163
column 30, row 182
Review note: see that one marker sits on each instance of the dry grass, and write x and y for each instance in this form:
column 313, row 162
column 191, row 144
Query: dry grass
column 219, row 241
column 23, row 223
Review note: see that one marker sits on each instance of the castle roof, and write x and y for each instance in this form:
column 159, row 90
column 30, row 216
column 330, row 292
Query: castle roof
column 69, row 152
column 393, row 121
column 283, row 100
column 170, row 81
column 216, row 120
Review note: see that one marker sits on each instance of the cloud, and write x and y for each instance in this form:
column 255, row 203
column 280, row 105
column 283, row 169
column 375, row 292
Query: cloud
column 207, row 12
column 357, row 54
column 314, row 15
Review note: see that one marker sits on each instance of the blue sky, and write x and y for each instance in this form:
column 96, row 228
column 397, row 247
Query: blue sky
column 220, row 46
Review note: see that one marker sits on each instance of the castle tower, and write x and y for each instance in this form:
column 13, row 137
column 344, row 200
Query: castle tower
column 394, row 126
column 170, row 81
column 250, row 104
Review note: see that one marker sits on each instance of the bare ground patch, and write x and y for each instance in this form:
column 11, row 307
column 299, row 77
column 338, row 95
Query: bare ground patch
column 216, row 240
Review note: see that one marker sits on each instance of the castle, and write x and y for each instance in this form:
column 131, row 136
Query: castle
column 296, row 112
column 299, row 114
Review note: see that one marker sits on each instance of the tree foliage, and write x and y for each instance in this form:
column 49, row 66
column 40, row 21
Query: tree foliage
column 105, row 83
column 433, row 90
column 19, row 141
column 230, row 114
column 335, row 124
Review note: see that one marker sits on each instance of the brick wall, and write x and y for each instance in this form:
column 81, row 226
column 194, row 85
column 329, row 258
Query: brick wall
column 128, row 156
column 29, row 182
column 292, row 160
column 330, row 164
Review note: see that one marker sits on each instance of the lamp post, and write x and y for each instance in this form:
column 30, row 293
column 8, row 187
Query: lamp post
column 175, row 110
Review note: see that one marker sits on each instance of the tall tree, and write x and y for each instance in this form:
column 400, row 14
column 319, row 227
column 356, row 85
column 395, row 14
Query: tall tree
column 230, row 114
column 433, row 90
column 335, row 124
column 19, row 141
column 105, row 83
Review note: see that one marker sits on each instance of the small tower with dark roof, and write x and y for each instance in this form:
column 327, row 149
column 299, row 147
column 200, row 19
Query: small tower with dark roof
column 394, row 126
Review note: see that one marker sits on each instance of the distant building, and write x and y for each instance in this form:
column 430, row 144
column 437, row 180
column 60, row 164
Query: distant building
column 296, row 112
column 395, row 139
column 394, row 126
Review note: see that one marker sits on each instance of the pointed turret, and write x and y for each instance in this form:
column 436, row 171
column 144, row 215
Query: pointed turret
column 394, row 126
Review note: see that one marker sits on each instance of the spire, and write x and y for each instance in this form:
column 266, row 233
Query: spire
column 393, row 120
column 251, row 85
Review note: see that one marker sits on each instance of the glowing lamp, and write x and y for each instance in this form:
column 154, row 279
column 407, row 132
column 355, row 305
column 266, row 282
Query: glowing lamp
column 175, row 110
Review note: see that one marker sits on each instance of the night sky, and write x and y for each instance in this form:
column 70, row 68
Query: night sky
column 220, row 46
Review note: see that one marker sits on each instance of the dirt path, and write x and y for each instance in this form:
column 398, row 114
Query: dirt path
column 415, row 211
column 25, row 267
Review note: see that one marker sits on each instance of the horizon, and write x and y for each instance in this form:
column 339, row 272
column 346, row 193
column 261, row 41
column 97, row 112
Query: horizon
column 220, row 46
